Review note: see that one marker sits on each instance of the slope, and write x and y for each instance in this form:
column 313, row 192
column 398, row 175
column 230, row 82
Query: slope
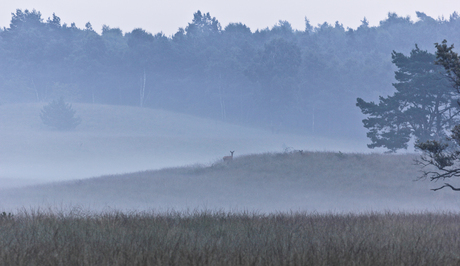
column 268, row 182
column 120, row 139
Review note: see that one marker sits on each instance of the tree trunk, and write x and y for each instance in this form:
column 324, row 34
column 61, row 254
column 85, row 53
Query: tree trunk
column 142, row 92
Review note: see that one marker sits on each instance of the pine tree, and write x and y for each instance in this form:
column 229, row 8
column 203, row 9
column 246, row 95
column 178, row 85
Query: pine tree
column 424, row 105
column 59, row 115
column 444, row 155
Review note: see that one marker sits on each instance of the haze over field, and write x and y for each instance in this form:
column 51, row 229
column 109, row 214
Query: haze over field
column 267, row 183
column 158, row 112
column 115, row 139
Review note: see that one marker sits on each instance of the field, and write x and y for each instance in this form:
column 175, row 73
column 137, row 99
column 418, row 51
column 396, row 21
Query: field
column 268, row 182
column 105, row 162
column 121, row 139
column 216, row 238
column 112, row 193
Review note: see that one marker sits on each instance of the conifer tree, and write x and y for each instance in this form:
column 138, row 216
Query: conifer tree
column 59, row 115
column 423, row 107
column 444, row 154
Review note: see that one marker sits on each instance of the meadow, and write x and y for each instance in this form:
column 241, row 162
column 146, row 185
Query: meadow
column 294, row 206
column 267, row 182
column 124, row 139
column 76, row 237
column 128, row 158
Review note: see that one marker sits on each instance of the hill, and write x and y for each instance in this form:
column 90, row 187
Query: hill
column 268, row 182
column 122, row 139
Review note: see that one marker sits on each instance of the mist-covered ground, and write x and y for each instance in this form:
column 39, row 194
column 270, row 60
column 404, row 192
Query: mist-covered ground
column 142, row 159
column 267, row 183
column 120, row 139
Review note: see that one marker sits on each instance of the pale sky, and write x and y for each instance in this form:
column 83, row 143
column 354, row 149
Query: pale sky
column 168, row 16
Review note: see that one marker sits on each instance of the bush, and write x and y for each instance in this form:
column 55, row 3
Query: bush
column 59, row 115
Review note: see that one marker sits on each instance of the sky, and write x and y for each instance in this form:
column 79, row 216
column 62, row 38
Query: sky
column 168, row 16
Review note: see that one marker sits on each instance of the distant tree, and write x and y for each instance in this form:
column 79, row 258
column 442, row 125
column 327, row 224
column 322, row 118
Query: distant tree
column 275, row 70
column 59, row 115
column 140, row 45
column 424, row 106
column 237, row 28
column 88, row 60
column 444, row 154
column 25, row 42
column 294, row 76
column 116, row 80
column 275, row 73
column 203, row 24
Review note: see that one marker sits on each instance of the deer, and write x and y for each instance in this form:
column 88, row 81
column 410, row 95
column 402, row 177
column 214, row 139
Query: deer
column 228, row 158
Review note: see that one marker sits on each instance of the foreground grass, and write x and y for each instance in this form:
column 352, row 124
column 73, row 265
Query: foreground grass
column 218, row 238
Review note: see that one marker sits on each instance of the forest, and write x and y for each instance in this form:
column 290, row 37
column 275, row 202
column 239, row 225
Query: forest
column 277, row 78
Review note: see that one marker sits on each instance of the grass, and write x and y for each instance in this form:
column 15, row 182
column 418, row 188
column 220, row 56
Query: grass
column 280, row 208
column 268, row 182
column 221, row 238
column 121, row 139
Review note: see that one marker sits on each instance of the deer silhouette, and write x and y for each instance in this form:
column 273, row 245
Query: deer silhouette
column 228, row 158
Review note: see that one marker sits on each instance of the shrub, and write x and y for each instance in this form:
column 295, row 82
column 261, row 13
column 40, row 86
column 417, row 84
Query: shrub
column 59, row 115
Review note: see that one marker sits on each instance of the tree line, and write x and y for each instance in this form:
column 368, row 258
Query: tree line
column 278, row 78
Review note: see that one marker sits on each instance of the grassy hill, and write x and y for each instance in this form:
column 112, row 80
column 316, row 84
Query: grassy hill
column 268, row 182
column 136, row 153
column 121, row 139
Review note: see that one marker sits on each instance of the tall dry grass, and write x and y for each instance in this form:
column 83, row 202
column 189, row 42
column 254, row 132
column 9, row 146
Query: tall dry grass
column 75, row 237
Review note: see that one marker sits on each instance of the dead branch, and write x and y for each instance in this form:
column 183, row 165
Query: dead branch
column 446, row 185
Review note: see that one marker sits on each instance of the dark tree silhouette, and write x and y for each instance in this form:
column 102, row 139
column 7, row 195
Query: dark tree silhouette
column 423, row 106
column 59, row 115
column 296, row 80
column 442, row 157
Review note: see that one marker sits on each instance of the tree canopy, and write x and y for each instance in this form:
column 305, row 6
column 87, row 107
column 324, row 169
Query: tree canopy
column 424, row 105
column 303, row 81
column 443, row 154
column 59, row 115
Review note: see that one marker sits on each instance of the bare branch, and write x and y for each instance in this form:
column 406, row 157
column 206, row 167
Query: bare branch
column 444, row 172
column 446, row 185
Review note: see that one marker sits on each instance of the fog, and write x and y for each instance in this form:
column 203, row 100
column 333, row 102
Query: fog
column 115, row 140
column 158, row 113
column 47, row 168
